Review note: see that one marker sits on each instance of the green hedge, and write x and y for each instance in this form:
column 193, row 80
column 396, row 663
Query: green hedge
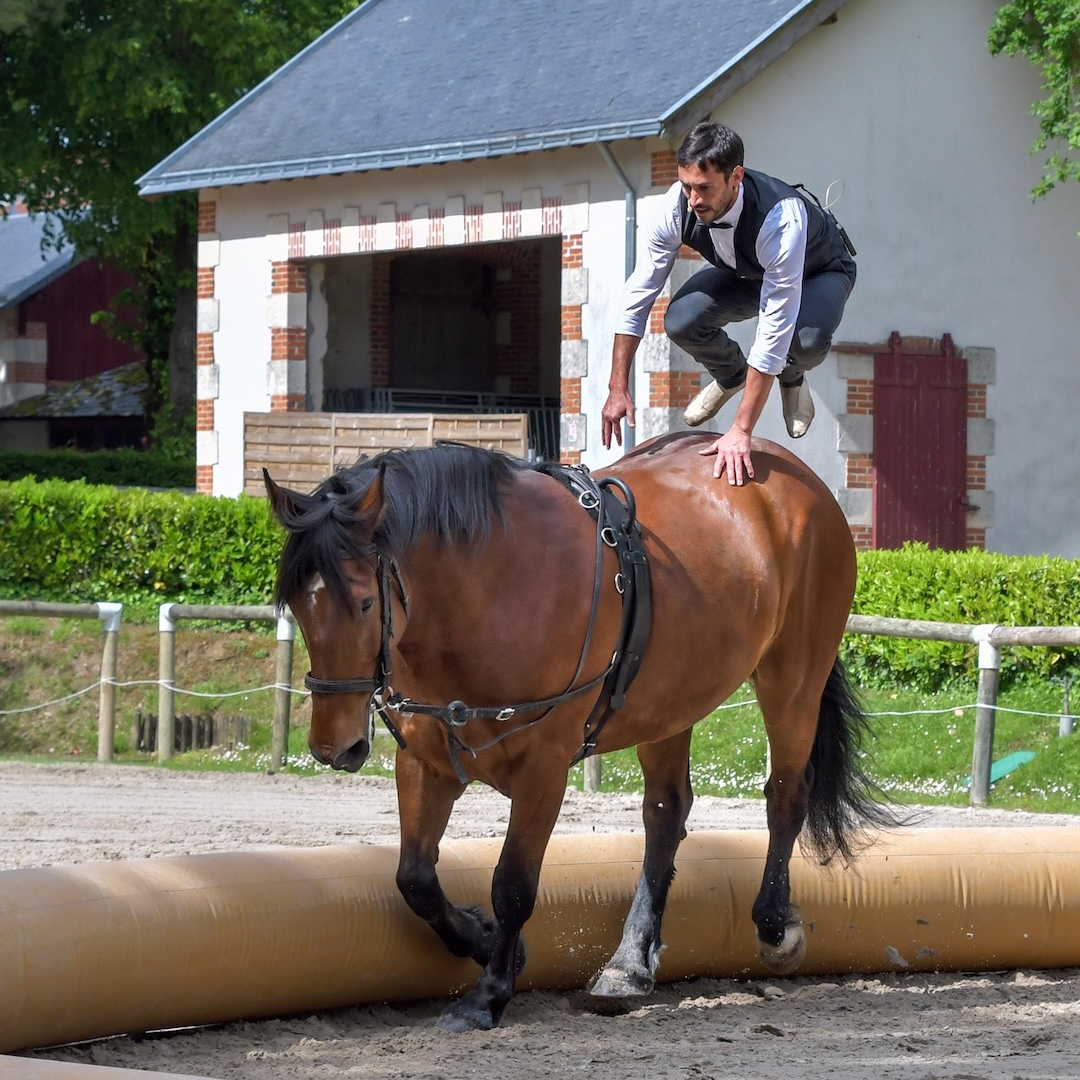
column 79, row 543
column 973, row 587
column 134, row 468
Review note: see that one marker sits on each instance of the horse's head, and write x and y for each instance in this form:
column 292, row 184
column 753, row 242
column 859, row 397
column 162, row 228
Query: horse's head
column 336, row 584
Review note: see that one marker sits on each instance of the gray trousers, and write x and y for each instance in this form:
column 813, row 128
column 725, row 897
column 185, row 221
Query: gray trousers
column 713, row 297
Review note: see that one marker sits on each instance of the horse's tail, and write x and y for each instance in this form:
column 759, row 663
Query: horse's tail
column 843, row 799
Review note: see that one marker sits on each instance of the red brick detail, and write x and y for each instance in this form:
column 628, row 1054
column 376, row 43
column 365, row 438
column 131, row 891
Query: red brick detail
column 976, row 473
column 204, row 282
column 332, row 236
column 570, row 395
column 571, row 252
column 204, row 348
column 976, row 538
column 367, row 232
column 663, row 169
column 207, row 217
column 474, row 224
column 204, row 414
column 860, row 397
column 288, row 343
column 204, row 479
column 437, row 228
column 656, row 316
column 860, row 471
column 570, row 457
column 673, row 389
column 863, row 536
column 976, row 401
column 288, row 277
column 551, row 216
column 511, row 220
column 403, row 231
column 297, row 240
column 36, row 331
column 571, row 322
column 27, row 371
column 288, row 403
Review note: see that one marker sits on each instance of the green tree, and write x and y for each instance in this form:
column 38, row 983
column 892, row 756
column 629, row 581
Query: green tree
column 1047, row 32
column 93, row 93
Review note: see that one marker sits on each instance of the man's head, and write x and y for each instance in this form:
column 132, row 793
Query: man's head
column 710, row 163
column 711, row 144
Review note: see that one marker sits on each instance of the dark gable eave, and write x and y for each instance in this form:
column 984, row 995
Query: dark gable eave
column 396, row 158
column 746, row 66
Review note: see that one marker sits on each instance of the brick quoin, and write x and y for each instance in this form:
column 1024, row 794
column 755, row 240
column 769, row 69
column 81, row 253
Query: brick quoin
column 863, row 536
column 288, row 343
column 663, row 169
column 976, row 401
column 672, row 389
column 571, row 252
column 570, row 457
column 288, row 277
column 656, row 316
column 207, row 217
column 288, row 403
column 36, row 331
column 204, row 479
column 571, row 322
column 204, row 414
column 860, row 396
column 975, row 538
column 26, row 371
column 570, row 395
column 204, row 282
column 204, row 348
column 860, row 471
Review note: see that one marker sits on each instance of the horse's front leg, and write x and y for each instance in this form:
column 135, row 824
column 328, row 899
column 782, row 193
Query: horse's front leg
column 424, row 804
column 513, row 895
column 668, row 797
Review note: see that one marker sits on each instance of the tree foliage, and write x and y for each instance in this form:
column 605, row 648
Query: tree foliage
column 93, row 93
column 1048, row 33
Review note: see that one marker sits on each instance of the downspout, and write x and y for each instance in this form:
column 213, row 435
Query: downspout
column 630, row 252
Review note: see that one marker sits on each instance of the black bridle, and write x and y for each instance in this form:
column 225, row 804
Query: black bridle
column 616, row 527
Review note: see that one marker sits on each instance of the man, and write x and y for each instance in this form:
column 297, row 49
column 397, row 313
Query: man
column 775, row 254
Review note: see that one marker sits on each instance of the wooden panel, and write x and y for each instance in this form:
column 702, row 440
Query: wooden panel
column 920, row 450
column 301, row 449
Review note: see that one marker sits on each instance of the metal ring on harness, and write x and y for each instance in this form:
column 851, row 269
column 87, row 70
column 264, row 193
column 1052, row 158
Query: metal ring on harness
column 457, row 714
column 607, row 534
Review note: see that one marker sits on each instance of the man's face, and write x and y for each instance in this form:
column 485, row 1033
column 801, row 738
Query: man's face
column 709, row 193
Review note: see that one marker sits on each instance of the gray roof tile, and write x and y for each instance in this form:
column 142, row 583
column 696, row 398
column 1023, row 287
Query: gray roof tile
column 408, row 82
column 23, row 269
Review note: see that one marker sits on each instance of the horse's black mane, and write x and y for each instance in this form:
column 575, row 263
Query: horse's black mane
column 450, row 491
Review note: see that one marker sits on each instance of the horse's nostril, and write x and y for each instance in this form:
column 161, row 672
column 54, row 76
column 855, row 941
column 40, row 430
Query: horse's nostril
column 353, row 758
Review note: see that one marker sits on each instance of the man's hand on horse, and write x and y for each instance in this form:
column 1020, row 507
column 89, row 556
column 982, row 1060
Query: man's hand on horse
column 619, row 404
column 732, row 452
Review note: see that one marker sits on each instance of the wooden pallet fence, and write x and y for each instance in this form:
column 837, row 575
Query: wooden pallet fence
column 300, row 450
column 200, row 732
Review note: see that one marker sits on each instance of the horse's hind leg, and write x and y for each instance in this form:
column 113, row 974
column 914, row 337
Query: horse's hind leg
column 791, row 722
column 666, row 766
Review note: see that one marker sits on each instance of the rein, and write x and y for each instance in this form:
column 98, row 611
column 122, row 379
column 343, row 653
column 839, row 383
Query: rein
column 616, row 527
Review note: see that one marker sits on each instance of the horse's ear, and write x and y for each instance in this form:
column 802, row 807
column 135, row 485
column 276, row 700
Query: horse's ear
column 371, row 508
column 281, row 502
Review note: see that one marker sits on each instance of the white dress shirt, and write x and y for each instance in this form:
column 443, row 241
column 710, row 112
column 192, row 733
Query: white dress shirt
column 780, row 249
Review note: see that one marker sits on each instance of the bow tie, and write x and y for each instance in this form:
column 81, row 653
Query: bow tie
column 720, row 225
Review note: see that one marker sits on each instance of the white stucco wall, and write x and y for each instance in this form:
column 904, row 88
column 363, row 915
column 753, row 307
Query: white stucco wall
column 930, row 135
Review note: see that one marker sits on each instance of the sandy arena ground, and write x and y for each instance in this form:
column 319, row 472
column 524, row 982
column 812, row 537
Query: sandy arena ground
column 996, row 1026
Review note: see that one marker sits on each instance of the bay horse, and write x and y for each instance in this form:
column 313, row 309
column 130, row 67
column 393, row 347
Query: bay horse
column 493, row 594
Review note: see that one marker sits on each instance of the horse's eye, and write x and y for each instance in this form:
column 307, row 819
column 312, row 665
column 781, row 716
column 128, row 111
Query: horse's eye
column 366, row 604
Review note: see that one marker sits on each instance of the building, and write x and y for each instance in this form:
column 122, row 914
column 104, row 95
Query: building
column 441, row 199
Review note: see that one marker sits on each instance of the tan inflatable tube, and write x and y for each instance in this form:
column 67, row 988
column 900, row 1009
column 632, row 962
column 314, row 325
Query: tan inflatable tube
column 109, row 948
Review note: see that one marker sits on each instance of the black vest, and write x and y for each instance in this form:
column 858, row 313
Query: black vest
column 825, row 241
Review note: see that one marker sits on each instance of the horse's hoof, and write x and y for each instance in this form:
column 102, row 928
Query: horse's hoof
column 615, row 983
column 460, row 1016
column 785, row 958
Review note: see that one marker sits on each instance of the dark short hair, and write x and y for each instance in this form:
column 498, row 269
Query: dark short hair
column 713, row 143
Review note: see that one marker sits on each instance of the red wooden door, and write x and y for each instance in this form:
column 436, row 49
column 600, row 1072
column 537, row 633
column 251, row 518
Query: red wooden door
column 920, row 448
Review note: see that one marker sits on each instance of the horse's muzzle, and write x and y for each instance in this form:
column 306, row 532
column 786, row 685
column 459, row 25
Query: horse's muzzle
column 350, row 759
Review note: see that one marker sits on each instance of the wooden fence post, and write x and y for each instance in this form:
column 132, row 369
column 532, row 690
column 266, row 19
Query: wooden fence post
column 109, row 614
column 166, row 725
column 279, row 749
column 985, row 714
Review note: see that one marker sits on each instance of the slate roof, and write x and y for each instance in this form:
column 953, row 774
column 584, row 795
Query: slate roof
column 119, row 392
column 415, row 82
column 23, row 271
